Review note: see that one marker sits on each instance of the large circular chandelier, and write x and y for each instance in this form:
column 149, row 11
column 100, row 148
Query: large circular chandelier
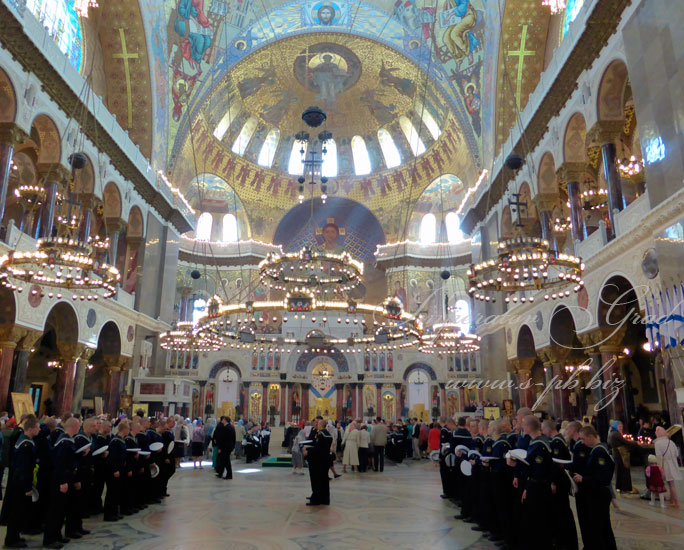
column 448, row 338
column 185, row 338
column 306, row 271
column 388, row 325
column 526, row 264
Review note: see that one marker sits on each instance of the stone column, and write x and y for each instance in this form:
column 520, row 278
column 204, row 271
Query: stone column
column 202, row 398
column 339, row 392
column 52, row 176
column 115, row 227
column 88, row 203
column 545, row 203
column 523, row 368
column 23, row 351
column 378, row 400
column 288, row 411
column 604, row 134
column 305, row 402
column 133, row 244
column 461, row 399
column 10, row 135
column 245, row 400
column 397, row 404
column 352, row 412
column 7, row 348
column 283, row 403
column 442, row 399
column 570, row 174
column 79, row 381
column 64, row 387
column 264, row 401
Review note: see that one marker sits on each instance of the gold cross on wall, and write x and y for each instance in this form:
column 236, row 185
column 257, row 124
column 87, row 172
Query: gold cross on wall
column 127, row 71
column 520, row 54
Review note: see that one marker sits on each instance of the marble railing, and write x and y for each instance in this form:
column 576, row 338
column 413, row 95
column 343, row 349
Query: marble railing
column 632, row 216
column 221, row 249
column 593, row 244
column 419, row 250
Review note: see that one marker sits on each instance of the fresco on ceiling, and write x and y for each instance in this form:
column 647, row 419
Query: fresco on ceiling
column 442, row 196
column 336, row 226
column 209, row 192
column 154, row 23
column 206, row 38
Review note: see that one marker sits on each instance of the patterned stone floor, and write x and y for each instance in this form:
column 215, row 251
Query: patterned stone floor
column 264, row 510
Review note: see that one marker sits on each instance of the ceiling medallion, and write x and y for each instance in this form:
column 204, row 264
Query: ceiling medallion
column 525, row 264
column 62, row 262
column 319, row 273
column 448, row 338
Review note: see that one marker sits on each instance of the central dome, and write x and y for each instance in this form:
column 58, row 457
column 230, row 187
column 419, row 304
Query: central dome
column 378, row 103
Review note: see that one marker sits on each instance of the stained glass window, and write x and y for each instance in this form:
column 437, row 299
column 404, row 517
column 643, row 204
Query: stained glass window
column 428, row 119
column 230, row 228
column 199, row 306
column 224, row 124
column 389, row 149
column 412, row 136
column 245, row 135
column 61, row 21
column 268, row 149
column 572, row 9
column 329, row 168
column 428, row 229
column 462, row 315
column 362, row 163
column 203, row 230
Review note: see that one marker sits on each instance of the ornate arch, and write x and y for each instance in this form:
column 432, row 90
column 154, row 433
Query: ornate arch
column 222, row 365
column 420, row 366
column 305, row 359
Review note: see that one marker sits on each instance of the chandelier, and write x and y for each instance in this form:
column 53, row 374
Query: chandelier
column 556, row 6
column 388, row 327
column 448, row 338
column 311, row 272
column 62, row 261
column 185, row 338
column 629, row 167
column 561, row 225
column 525, row 264
column 313, row 117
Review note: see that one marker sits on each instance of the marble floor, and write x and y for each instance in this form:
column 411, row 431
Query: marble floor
column 264, row 510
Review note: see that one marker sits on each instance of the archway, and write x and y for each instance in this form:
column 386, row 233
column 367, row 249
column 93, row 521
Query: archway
column 52, row 367
column 225, row 380
column 8, row 99
column 103, row 379
column 419, row 396
column 524, row 362
column 45, row 135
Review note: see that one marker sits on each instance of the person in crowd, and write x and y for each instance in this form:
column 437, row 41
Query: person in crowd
column 379, row 442
column 655, row 481
column 415, row 440
column 318, row 457
column 100, row 467
column 252, row 444
column 197, row 445
column 364, row 443
column 621, row 451
column 117, row 469
column 351, row 448
column 434, row 437
column 239, row 438
column 297, row 456
column 332, row 430
column 181, row 439
column 209, row 427
column 265, row 434
column 667, row 453
column 20, row 483
column 594, row 484
column 224, row 440
column 395, row 444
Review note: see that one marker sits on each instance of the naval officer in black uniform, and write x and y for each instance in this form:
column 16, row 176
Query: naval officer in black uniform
column 318, row 456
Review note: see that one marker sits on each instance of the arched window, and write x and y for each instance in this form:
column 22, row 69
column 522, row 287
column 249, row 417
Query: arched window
column 230, row 228
column 268, row 149
column 329, row 168
column 199, row 306
column 203, row 229
column 571, row 10
column 362, row 163
column 416, row 144
column 389, row 149
column 453, row 228
column 296, row 166
column 228, row 119
column 60, row 19
column 245, row 135
column 428, row 229
column 428, row 119
column 462, row 315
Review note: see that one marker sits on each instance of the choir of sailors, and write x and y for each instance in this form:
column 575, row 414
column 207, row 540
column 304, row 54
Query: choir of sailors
column 75, row 462
column 514, row 485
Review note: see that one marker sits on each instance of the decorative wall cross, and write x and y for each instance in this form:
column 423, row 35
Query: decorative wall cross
column 520, row 53
column 127, row 71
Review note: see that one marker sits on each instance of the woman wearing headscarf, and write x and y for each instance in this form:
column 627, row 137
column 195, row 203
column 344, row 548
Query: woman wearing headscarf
column 351, row 448
column 621, row 450
column 667, row 454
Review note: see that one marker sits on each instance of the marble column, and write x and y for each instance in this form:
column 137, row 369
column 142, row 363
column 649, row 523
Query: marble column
column 264, row 401
column 352, row 412
column 113, row 382
column 283, row 403
column 442, row 399
column 88, row 203
column 10, row 135
column 545, row 203
column 339, row 394
column 79, row 383
column 202, row 398
column 305, row 402
column 6, row 357
column 378, row 400
column 64, row 387
column 397, row 403
column 115, row 227
column 23, row 352
column 288, row 410
column 612, row 370
column 571, row 173
column 461, row 399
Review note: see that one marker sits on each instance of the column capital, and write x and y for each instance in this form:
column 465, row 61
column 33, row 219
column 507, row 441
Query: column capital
column 571, row 171
column 11, row 134
column 554, row 355
column 546, row 202
column 29, row 340
column 521, row 365
column 70, row 351
column 89, row 201
column 604, row 132
column 53, row 171
column 11, row 335
column 86, row 354
column 115, row 225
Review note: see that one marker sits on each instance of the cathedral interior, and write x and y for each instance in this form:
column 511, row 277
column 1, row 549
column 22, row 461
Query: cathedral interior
column 348, row 209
